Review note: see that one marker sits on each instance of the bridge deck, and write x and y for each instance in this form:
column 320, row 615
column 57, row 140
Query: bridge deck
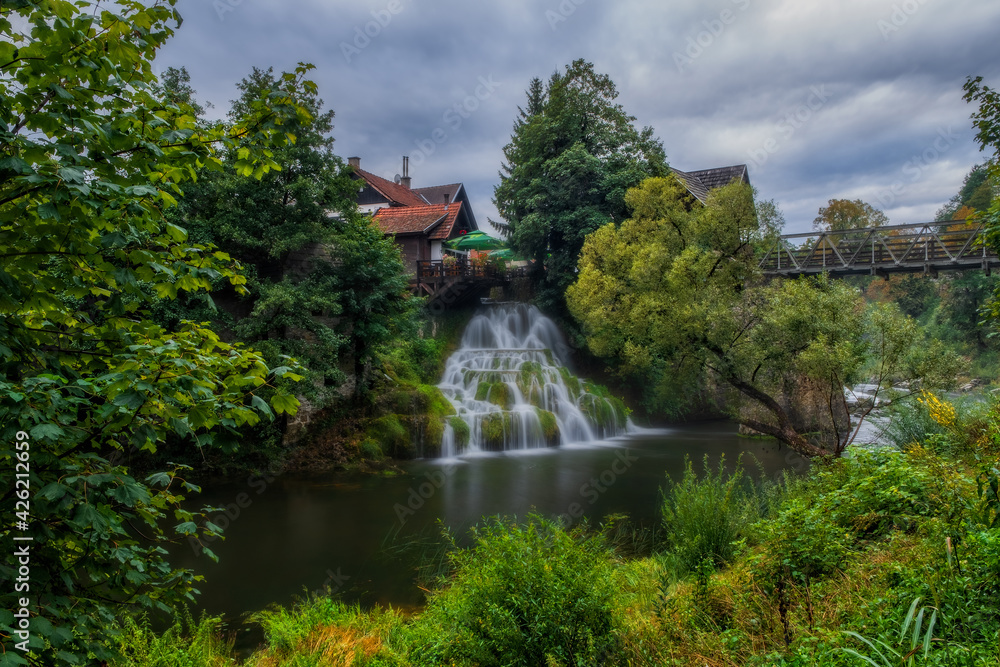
column 921, row 248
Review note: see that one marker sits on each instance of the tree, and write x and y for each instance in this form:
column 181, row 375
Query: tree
column 976, row 194
column 676, row 294
column 847, row 214
column 90, row 159
column 986, row 121
column 572, row 156
column 323, row 282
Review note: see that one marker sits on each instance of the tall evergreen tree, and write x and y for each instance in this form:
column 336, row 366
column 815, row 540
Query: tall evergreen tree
column 573, row 155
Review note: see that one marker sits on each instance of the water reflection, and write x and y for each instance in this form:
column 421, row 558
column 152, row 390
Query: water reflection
column 298, row 530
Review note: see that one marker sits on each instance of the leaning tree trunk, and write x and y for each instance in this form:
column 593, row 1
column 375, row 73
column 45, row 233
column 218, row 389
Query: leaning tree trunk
column 784, row 430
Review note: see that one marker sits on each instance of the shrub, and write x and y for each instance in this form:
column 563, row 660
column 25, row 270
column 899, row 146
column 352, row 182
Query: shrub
column 530, row 594
column 704, row 518
column 184, row 644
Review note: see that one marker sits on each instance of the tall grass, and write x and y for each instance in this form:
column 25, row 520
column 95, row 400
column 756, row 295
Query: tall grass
column 704, row 518
column 185, row 644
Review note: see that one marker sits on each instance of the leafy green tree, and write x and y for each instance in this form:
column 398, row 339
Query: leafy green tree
column 986, row 121
column 675, row 294
column 323, row 282
column 90, row 158
column 846, row 214
column 573, row 155
column 976, row 193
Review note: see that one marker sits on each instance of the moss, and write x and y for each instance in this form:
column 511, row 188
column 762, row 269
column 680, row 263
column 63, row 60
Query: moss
column 433, row 435
column 536, row 396
column 550, row 427
column 370, row 449
column 391, row 436
column 461, row 430
column 497, row 393
column 433, row 402
column 494, row 427
column 571, row 381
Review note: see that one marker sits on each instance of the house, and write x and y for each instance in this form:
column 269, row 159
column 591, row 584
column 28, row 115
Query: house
column 420, row 220
column 699, row 183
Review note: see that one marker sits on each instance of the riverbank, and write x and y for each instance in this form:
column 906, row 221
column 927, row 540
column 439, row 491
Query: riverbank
column 859, row 545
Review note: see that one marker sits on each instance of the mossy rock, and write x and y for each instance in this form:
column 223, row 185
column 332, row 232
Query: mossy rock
column 370, row 449
column 433, row 402
column 495, row 426
column 571, row 381
column 433, row 433
column 392, row 436
column 550, row 427
column 536, row 396
column 497, row 393
column 462, row 432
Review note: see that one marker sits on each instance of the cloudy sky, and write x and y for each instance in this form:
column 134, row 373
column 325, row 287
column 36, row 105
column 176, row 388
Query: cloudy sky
column 821, row 99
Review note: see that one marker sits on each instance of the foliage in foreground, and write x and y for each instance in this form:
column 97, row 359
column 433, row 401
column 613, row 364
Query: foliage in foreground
column 86, row 375
column 674, row 296
column 890, row 552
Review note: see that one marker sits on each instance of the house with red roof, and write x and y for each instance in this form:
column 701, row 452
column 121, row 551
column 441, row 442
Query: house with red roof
column 420, row 220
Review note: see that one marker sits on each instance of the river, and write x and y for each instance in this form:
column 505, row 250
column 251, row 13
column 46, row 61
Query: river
column 292, row 534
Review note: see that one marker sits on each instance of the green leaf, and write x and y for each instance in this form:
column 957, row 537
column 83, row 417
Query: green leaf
column 48, row 211
column 47, row 432
column 129, row 399
column 285, row 403
column 260, row 404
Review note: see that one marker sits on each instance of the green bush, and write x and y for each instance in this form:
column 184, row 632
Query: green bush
column 392, row 436
column 704, row 518
column 184, row 644
column 523, row 595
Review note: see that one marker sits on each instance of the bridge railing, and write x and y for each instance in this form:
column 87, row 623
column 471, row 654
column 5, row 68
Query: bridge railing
column 464, row 270
column 925, row 247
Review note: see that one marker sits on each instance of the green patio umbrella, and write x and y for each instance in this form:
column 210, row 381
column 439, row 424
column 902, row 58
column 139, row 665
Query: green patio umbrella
column 476, row 240
column 506, row 253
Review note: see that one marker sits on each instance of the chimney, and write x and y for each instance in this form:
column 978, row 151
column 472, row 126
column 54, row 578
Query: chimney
column 354, row 162
column 446, row 202
column 405, row 179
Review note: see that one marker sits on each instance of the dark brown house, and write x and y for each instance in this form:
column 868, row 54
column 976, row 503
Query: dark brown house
column 421, row 219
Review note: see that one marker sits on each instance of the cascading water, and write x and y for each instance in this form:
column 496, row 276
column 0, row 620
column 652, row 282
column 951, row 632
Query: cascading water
column 511, row 389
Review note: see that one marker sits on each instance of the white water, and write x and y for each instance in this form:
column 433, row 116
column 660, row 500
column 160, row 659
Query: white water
column 512, row 364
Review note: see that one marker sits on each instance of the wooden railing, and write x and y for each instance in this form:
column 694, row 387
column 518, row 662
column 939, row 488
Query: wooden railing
column 926, row 247
column 429, row 271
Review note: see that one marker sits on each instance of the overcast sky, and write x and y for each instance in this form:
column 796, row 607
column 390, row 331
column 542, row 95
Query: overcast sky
column 821, row 99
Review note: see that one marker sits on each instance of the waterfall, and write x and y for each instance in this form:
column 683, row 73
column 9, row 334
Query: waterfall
column 511, row 388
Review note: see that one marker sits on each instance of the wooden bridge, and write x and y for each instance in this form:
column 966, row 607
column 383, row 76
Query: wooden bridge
column 459, row 282
column 920, row 248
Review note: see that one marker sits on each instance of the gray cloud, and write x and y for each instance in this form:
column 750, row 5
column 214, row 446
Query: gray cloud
column 890, row 71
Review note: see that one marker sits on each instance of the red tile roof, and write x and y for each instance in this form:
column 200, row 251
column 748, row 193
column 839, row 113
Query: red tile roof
column 435, row 221
column 399, row 194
